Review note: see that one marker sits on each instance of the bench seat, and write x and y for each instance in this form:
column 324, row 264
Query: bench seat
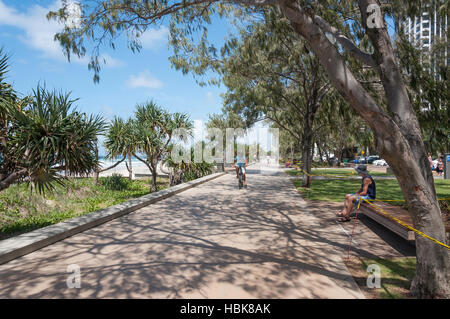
column 387, row 221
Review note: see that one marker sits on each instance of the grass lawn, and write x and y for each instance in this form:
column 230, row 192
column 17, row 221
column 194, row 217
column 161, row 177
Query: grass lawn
column 335, row 190
column 334, row 172
column 396, row 275
column 22, row 211
column 388, row 189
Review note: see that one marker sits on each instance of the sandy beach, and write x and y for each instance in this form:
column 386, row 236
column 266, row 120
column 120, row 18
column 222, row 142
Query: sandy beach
column 139, row 169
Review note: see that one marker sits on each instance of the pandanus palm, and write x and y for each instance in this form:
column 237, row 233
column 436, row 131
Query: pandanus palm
column 181, row 172
column 121, row 140
column 154, row 129
column 7, row 97
column 47, row 137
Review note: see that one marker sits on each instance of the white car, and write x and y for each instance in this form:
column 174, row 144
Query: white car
column 380, row 162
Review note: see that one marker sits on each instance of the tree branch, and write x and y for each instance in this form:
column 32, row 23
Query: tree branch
column 346, row 43
column 112, row 166
column 6, row 182
column 143, row 161
column 334, row 64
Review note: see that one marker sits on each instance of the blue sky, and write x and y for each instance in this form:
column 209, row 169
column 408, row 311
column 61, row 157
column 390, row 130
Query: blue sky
column 126, row 79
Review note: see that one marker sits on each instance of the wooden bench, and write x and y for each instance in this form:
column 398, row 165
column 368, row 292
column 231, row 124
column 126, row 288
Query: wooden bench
column 396, row 211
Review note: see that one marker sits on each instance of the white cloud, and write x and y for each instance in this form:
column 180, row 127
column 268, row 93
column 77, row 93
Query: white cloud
column 107, row 111
column 110, row 62
column 38, row 32
column 210, row 98
column 144, row 80
column 154, row 38
column 74, row 11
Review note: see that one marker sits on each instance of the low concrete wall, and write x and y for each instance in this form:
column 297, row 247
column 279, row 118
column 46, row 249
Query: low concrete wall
column 18, row 246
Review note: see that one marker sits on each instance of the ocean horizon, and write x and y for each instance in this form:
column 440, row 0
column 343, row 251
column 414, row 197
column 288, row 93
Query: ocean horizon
column 115, row 159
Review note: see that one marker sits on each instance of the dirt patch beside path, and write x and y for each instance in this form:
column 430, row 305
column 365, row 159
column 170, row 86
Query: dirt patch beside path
column 370, row 241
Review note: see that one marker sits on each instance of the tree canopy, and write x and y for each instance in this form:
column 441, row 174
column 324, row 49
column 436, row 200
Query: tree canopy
column 349, row 38
column 44, row 135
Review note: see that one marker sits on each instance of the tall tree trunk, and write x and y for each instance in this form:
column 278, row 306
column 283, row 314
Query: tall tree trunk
column 130, row 167
column 97, row 168
column 292, row 154
column 306, row 149
column 96, row 173
column 327, row 157
column 319, row 149
column 341, row 144
column 154, row 187
column 306, row 160
column 152, row 167
column 398, row 139
column 433, row 261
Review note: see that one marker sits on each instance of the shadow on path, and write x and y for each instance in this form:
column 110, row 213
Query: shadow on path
column 211, row 241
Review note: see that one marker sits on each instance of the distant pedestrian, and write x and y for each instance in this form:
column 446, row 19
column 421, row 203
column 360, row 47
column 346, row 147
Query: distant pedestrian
column 440, row 167
column 430, row 159
column 288, row 163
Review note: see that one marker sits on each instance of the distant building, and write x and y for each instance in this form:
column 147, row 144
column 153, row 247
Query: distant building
column 424, row 30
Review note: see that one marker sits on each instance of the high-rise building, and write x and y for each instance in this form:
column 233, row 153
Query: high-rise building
column 426, row 29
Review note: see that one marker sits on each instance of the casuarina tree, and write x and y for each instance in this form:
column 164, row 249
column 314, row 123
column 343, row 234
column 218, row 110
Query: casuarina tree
column 337, row 32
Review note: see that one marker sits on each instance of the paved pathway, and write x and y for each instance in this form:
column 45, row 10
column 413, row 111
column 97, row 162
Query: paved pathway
column 212, row 241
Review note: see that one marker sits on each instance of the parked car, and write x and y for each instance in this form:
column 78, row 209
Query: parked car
column 334, row 160
column 372, row 159
column 380, row 162
column 362, row 160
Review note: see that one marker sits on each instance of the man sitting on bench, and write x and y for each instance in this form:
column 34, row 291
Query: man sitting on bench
column 367, row 191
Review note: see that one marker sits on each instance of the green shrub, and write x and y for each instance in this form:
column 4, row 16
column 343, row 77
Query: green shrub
column 115, row 182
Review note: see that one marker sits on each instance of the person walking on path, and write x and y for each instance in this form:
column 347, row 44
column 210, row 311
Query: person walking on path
column 367, row 191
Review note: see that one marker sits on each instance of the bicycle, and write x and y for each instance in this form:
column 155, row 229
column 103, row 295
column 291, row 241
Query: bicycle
column 241, row 177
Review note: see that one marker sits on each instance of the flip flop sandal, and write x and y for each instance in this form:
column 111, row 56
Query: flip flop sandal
column 344, row 219
column 339, row 214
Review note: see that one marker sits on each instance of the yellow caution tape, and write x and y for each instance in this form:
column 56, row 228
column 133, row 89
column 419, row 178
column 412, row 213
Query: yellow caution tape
column 407, row 226
column 327, row 175
column 387, row 200
column 399, row 200
column 373, row 200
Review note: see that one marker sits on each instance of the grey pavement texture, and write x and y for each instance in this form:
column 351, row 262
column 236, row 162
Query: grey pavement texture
column 211, row 241
column 23, row 244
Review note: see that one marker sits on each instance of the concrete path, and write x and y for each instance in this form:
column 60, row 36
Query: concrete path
column 212, row 241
